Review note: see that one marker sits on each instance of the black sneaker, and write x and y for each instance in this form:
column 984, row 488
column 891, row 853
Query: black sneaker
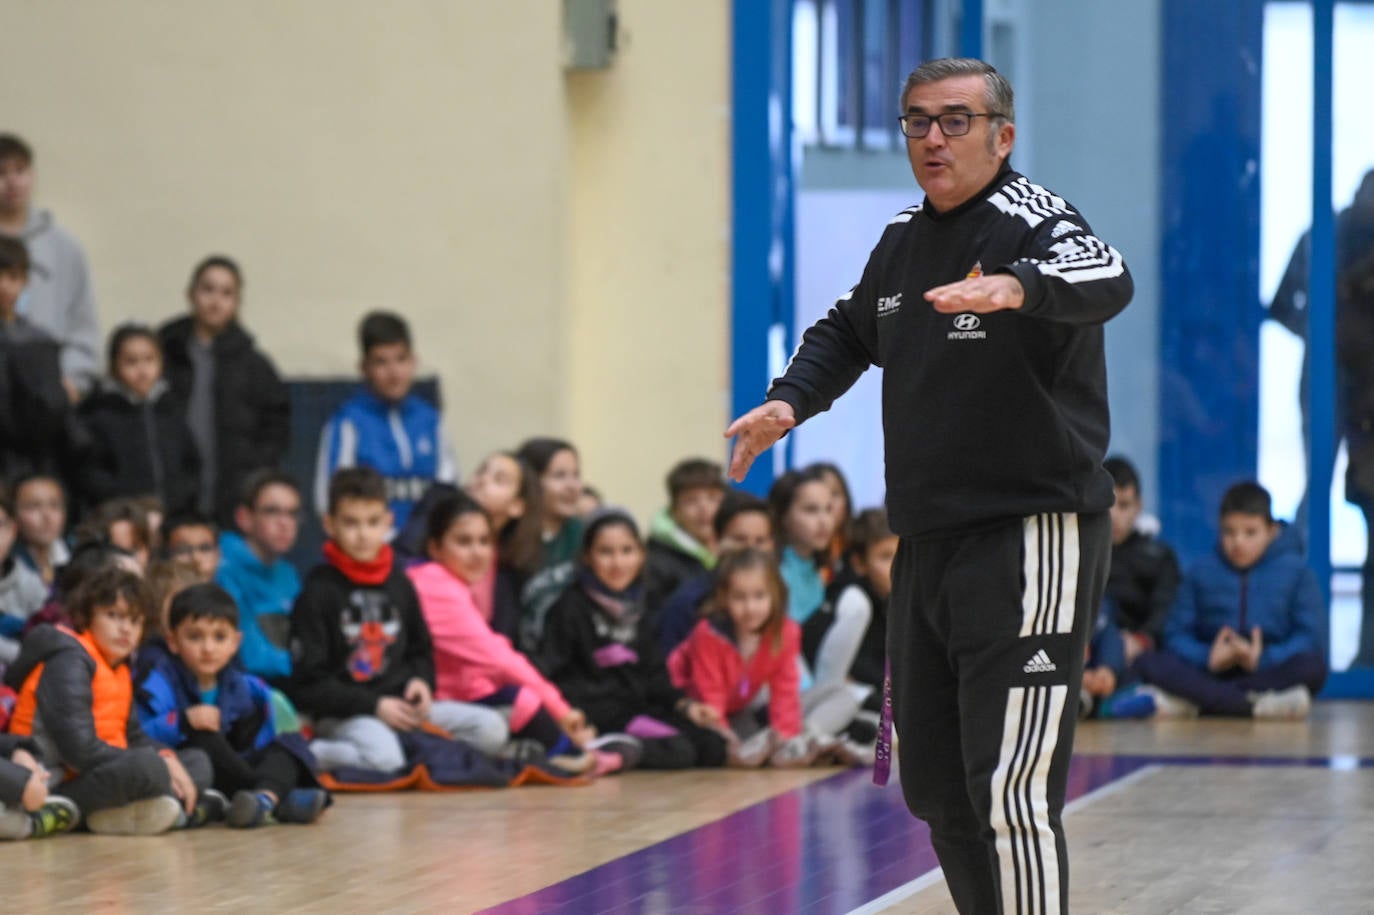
column 211, row 806
column 56, row 816
column 630, row 749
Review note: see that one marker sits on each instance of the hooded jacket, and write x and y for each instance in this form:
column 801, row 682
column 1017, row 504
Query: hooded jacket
column 673, row 557
column 264, row 594
column 252, row 408
column 137, row 446
column 77, row 707
column 1279, row 593
column 59, row 298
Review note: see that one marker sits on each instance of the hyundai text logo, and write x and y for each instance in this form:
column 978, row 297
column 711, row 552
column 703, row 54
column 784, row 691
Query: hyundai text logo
column 966, row 328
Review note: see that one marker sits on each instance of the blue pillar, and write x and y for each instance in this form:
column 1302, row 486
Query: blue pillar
column 1321, row 328
column 971, row 28
column 761, row 208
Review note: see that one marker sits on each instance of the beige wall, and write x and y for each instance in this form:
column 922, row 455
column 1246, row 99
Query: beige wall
column 559, row 243
column 650, row 289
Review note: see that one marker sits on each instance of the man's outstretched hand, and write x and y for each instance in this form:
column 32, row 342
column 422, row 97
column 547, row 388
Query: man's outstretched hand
column 755, row 432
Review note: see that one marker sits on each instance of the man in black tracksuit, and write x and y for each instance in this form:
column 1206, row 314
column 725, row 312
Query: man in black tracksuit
column 984, row 306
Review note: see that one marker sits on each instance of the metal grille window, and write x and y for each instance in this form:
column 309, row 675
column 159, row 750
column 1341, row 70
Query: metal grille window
column 849, row 58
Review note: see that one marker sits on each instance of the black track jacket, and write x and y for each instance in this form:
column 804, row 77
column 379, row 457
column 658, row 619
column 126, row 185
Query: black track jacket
column 990, row 416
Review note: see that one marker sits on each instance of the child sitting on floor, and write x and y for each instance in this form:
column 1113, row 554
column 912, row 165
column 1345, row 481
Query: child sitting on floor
column 1246, row 635
column 363, row 660
column 76, row 699
column 475, row 664
column 600, row 646
column 747, row 644
column 195, row 698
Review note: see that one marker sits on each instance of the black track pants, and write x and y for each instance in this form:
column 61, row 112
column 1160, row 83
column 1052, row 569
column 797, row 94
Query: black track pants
column 986, row 633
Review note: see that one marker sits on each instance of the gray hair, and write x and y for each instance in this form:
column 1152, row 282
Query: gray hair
column 997, row 95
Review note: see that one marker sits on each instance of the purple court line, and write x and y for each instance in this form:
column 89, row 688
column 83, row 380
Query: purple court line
column 825, row 848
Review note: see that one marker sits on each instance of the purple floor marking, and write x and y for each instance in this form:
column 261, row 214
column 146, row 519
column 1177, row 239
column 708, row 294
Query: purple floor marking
column 823, row 849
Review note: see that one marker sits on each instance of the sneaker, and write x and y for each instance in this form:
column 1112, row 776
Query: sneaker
column 579, row 763
column 302, row 805
column 57, row 815
column 15, row 824
column 1133, row 704
column 628, row 748
column 523, row 750
column 753, row 752
column 150, row 817
column 607, row 762
column 211, row 807
column 861, row 730
column 799, row 752
column 250, row 809
column 1285, row 704
column 1167, row 705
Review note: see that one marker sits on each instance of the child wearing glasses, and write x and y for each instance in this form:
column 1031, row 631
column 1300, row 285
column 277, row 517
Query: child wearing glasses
column 139, row 441
column 254, row 571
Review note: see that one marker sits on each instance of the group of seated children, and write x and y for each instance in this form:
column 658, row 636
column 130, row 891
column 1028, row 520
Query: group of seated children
column 1242, row 634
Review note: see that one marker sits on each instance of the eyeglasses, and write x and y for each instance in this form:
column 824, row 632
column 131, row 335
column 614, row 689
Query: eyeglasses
column 187, row 549
column 277, row 511
column 952, row 124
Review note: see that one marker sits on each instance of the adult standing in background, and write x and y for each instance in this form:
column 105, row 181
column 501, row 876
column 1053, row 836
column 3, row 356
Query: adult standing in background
column 237, row 408
column 984, row 306
column 59, row 298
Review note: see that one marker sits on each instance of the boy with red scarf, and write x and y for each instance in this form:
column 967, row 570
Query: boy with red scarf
column 363, row 662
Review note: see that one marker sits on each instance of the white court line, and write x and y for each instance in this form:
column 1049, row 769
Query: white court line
column 930, row 878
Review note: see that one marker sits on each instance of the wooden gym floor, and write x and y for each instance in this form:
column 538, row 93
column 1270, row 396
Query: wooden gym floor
column 1167, row 817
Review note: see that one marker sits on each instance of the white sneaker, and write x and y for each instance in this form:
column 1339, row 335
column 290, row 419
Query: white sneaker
column 15, row 824
column 1288, row 704
column 1167, row 705
column 150, row 817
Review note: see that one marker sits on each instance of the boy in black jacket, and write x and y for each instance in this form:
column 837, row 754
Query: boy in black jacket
column 682, row 543
column 363, row 662
column 1144, row 576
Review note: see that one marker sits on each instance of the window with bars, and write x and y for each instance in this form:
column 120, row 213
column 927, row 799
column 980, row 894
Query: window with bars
column 849, row 58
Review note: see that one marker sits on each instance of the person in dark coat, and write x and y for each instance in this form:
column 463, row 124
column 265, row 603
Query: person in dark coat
column 138, row 440
column 236, row 404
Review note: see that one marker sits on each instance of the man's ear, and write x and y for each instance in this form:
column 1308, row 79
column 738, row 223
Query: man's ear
column 242, row 518
column 327, row 522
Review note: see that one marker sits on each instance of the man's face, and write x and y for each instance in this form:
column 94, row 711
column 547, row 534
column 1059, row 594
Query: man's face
column 390, row 370
column 16, row 185
column 1124, row 512
column 952, row 169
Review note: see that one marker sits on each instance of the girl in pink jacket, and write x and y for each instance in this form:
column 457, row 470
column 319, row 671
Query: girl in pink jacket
column 473, row 663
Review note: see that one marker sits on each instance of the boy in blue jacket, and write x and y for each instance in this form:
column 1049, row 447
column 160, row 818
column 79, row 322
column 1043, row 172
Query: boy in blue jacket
column 1246, row 636
column 193, row 697
column 387, row 426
